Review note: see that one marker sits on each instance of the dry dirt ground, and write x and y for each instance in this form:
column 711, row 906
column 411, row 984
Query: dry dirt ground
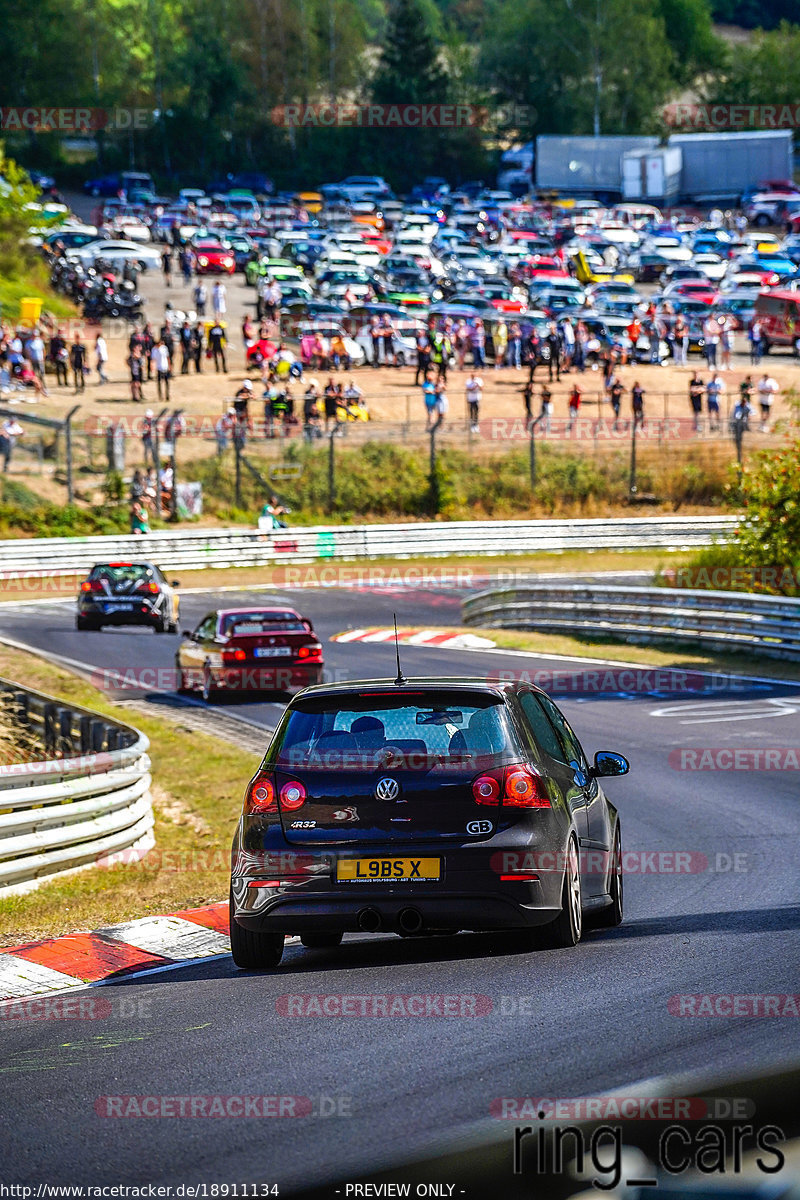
column 394, row 402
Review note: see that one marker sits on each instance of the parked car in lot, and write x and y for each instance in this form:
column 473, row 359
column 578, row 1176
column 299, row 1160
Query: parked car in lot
column 127, row 593
column 241, row 650
column 213, row 257
column 427, row 806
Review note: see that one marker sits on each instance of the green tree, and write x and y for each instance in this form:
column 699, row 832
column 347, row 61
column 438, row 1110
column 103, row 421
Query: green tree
column 16, row 191
column 581, row 66
column 690, row 33
column 764, row 71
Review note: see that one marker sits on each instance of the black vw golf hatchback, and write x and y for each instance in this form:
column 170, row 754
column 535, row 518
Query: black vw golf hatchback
column 424, row 806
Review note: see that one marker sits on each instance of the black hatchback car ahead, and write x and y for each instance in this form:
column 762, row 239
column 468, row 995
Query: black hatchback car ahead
column 429, row 806
column 127, row 593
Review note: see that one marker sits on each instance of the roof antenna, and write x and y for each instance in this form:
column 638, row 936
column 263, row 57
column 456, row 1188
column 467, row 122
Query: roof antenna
column 401, row 679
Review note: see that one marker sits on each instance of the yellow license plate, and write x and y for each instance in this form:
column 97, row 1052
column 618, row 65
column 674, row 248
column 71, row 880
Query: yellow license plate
column 387, row 870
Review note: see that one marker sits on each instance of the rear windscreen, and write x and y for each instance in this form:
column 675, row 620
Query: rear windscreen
column 267, row 622
column 122, row 576
column 462, row 731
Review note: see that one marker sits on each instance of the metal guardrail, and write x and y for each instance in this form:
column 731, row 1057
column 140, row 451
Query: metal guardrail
column 196, row 548
column 768, row 625
column 88, row 798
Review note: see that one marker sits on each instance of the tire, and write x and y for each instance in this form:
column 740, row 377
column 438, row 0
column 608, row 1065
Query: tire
column 254, row 951
column 86, row 623
column 401, row 358
column 321, row 941
column 565, row 931
column 762, row 220
column 609, row 918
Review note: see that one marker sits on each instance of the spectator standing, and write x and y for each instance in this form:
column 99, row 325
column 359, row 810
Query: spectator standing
column 714, row 388
column 166, row 265
column 574, row 405
column 500, row 345
column 615, row 392
column 148, row 437
column 136, row 367
column 10, row 433
column 696, row 400
column 77, row 358
column 59, row 356
column 219, row 301
column 474, row 391
column 754, row 337
column 637, row 403
column 515, row 346
column 101, row 357
column 547, row 409
column 423, row 355
column 216, row 346
column 161, row 366
column 681, row 340
column 200, row 298
column 767, row 391
column 196, row 348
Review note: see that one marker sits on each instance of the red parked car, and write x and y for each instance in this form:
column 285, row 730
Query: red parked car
column 213, row 258
column 249, row 650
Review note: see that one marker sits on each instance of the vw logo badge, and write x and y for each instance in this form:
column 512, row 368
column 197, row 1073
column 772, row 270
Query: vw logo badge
column 387, row 789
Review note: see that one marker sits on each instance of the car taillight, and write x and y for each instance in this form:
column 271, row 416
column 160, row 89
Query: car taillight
column 229, row 656
column 91, row 585
column 293, row 795
column 151, row 587
column 513, row 787
column 310, row 653
column 524, row 789
column 260, row 796
column 486, row 789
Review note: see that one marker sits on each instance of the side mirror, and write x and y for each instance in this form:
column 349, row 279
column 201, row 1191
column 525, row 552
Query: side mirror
column 186, row 633
column 607, row 764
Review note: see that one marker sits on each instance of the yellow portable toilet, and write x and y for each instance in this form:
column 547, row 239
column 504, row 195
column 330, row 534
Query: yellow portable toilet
column 30, row 310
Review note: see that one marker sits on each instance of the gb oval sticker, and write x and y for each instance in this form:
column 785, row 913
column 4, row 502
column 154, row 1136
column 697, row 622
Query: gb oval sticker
column 479, row 827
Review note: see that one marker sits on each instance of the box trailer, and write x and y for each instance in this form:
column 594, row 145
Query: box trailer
column 585, row 165
column 721, row 166
column 652, row 174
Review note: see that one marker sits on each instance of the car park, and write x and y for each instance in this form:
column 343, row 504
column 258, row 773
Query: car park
column 127, row 593
column 427, row 806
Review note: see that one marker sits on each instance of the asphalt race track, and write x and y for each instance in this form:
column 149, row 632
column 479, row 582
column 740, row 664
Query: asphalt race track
column 562, row 1023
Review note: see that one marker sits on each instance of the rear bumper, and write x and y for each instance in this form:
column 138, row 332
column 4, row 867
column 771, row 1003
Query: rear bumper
column 319, row 905
column 258, row 677
column 134, row 616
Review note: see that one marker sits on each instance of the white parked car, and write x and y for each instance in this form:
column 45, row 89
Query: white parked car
column 118, row 251
column 405, row 346
column 712, row 265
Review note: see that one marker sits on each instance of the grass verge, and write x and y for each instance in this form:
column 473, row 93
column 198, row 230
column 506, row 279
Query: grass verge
column 198, row 786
